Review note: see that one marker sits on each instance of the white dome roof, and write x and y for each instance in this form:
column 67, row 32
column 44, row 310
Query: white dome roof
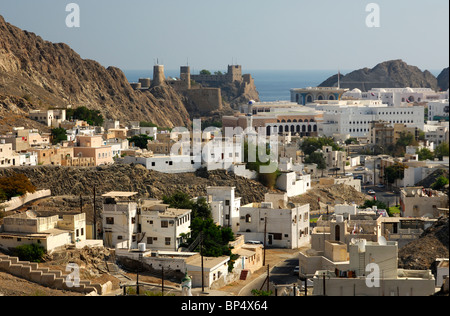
column 408, row 90
column 356, row 90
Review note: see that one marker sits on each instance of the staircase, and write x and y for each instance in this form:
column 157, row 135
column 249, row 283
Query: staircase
column 51, row 278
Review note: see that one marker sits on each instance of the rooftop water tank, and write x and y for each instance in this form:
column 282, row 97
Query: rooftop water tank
column 142, row 247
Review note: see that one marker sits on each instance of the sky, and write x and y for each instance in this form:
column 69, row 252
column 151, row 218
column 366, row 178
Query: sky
column 257, row 34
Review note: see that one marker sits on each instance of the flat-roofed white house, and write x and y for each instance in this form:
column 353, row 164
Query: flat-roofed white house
column 128, row 222
column 52, row 233
column 225, row 206
column 162, row 226
column 372, row 270
column 286, row 224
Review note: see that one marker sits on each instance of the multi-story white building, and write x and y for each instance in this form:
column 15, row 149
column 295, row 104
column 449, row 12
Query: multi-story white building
column 128, row 223
column 286, row 225
column 437, row 132
column 438, row 110
column 354, row 118
column 225, row 206
column 161, row 226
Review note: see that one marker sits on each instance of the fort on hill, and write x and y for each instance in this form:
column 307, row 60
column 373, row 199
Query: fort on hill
column 206, row 93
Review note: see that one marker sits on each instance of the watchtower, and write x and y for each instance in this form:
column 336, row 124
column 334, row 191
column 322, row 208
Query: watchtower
column 234, row 73
column 158, row 75
column 185, row 76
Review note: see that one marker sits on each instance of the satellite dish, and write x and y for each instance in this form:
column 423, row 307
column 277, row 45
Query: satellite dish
column 382, row 241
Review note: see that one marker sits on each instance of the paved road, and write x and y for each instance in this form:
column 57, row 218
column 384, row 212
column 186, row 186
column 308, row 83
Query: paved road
column 280, row 274
column 384, row 195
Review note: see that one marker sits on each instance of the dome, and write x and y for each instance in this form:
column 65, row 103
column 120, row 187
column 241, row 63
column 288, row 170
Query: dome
column 408, row 90
column 356, row 90
column 251, row 102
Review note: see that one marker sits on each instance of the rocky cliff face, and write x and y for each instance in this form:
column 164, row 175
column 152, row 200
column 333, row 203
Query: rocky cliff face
column 389, row 74
column 53, row 75
column 136, row 178
column 443, row 79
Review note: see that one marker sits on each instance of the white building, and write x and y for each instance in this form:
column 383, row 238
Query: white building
column 225, row 206
column 372, row 270
column 355, row 117
column 162, row 226
column 52, row 233
column 437, row 132
column 128, row 223
column 119, row 220
column 294, row 183
column 395, row 96
column 286, row 225
column 50, row 118
column 166, row 164
column 438, row 110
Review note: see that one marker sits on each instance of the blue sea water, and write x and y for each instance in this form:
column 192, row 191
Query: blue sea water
column 272, row 85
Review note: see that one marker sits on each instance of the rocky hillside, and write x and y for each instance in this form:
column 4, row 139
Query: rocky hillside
column 53, row 75
column 443, row 79
column 136, row 178
column 422, row 253
column 389, row 74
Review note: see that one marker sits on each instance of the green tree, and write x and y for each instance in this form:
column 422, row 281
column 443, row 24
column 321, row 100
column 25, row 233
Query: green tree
column 312, row 144
column 205, row 72
column 425, row 154
column 317, row 158
column 140, row 141
column 370, row 203
column 179, row 200
column 92, row 117
column 440, row 183
column 215, row 238
column 32, row 253
column 394, row 172
column 15, row 185
column 58, row 135
column 442, row 151
column 267, row 179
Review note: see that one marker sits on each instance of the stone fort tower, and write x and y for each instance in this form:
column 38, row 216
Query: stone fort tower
column 185, row 76
column 158, row 75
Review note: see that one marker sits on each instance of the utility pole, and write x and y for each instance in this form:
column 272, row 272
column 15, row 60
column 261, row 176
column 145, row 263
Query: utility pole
column 201, row 254
column 95, row 219
column 265, row 234
column 162, row 285
column 268, row 278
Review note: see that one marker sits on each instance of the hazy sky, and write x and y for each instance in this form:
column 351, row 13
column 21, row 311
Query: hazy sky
column 258, row 34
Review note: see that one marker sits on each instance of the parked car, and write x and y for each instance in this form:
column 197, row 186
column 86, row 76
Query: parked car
column 371, row 192
column 296, row 270
column 380, row 185
column 360, row 169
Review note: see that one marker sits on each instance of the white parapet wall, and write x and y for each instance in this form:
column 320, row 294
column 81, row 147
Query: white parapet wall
column 19, row 201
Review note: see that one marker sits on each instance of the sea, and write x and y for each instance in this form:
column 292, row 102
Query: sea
column 272, row 85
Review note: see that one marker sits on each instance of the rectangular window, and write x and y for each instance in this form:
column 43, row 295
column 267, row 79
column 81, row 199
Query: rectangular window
column 150, row 240
column 110, row 220
column 164, row 224
column 168, row 241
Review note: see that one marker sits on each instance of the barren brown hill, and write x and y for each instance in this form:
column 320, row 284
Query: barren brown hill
column 53, row 75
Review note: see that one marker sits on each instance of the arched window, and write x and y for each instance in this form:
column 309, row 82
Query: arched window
column 304, row 128
column 309, row 98
column 286, row 128
column 248, row 218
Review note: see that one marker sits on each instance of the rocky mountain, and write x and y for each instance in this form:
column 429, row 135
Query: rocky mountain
column 73, row 181
column 53, row 75
column 389, row 74
column 422, row 253
column 443, row 79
